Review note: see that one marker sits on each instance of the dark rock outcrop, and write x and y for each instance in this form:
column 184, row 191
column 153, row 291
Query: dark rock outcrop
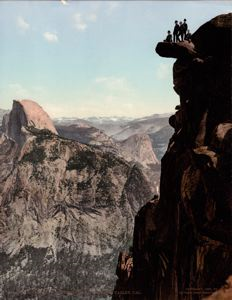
column 182, row 245
column 183, row 49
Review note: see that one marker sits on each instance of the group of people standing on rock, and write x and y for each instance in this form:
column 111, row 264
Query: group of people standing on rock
column 180, row 33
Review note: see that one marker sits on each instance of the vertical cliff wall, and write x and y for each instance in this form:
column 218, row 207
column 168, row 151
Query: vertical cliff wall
column 182, row 243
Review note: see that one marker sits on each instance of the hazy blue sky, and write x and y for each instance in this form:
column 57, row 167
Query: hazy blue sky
column 88, row 58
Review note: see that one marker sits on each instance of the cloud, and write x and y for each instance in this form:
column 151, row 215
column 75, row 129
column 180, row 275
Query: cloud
column 18, row 91
column 91, row 17
column 110, row 95
column 50, row 37
column 164, row 71
column 79, row 23
column 22, row 24
column 99, row 104
column 113, row 83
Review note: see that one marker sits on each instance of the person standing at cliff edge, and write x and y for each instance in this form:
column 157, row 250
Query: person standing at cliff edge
column 176, row 32
column 184, row 29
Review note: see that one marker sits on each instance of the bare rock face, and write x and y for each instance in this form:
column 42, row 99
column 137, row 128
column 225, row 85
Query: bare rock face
column 182, row 245
column 3, row 112
column 88, row 134
column 26, row 113
column 64, row 207
column 108, row 133
column 138, row 147
column 224, row 293
column 160, row 140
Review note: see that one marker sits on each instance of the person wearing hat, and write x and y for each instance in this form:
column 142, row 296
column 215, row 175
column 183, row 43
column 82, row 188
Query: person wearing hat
column 169, row 37
column 184, row 29
column 181, row 31
column 176, row 32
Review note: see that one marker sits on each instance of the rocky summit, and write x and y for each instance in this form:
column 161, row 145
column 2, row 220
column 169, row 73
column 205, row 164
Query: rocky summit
column 66, row 210
column 182, row 243
column 25, row 113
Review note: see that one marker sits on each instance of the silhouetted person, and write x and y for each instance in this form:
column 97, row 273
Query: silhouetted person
column 184, row 28
column 188, row 36
column 176, row 32
column 169, row 37
column 181, row 31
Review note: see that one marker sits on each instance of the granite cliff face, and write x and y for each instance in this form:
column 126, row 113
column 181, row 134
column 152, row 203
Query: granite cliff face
column 160, row 140
column 182, row 243
column 109, row 131
column 64, row 208
column 89, row 135
column 26, row 113
column 2, row 113
column 137, row 149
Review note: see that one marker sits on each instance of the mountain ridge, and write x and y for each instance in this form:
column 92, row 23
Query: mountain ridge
column 60, row 204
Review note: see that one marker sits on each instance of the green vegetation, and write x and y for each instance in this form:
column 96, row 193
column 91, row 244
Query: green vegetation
column 44, row 134
column 54, row 150
column 41, row 134
column 82, row 160
column 37, row 155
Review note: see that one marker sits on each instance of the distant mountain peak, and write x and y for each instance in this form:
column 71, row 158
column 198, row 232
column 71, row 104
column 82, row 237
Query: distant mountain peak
column 138, row 147
column 26, row 113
